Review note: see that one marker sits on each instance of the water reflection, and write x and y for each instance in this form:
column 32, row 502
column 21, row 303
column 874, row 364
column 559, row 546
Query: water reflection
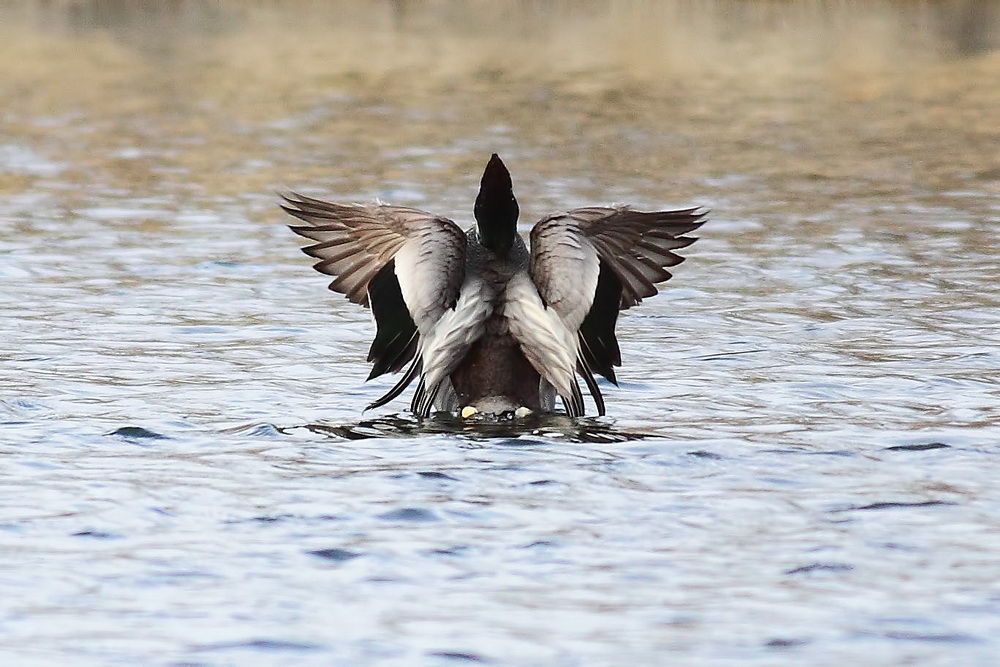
column 524, row 431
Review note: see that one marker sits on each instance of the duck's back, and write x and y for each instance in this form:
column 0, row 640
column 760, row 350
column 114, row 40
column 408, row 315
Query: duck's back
column 494, row 375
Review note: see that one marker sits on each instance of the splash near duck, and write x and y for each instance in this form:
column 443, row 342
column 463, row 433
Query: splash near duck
column 485, row 325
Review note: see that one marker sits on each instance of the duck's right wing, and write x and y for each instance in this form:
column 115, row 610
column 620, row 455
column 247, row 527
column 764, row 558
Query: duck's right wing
column 408, row 265
column 588, row 264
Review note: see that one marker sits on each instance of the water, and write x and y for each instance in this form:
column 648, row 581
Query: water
column 797, row 469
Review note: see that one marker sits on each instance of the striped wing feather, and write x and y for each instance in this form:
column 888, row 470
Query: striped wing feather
column 638, row 246
column 590, row 263
column 406, row 264
column 354, row 242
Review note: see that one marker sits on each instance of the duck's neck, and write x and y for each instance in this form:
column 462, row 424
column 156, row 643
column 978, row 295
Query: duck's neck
column 496, row 208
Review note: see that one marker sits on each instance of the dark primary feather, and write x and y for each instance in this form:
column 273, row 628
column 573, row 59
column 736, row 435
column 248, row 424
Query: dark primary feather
column 423, row 399
column 595, row 391
column 638, row 245
column 349, row 246
column 599, row 345
column 397, row 389
column 396, row 335
column 354, row 242
column 575, row 407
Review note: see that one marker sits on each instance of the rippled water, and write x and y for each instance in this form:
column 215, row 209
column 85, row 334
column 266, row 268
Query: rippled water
column 799, row 466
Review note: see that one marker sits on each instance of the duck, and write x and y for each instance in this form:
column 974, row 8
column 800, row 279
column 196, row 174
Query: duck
column 485, row 323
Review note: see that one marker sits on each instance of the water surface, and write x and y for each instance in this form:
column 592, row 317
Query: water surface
column 797, row 469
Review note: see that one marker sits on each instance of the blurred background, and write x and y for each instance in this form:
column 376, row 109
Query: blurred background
column 818, row 385
column 838, row 100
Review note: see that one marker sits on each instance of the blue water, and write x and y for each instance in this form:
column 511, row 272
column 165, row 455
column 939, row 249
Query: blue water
column 798, row 468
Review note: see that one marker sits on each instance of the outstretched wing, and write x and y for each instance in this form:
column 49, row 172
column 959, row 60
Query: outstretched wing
column 408, row 265
column 590, row 263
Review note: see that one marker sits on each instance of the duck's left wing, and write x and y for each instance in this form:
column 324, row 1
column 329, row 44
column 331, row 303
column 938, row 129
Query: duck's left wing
column 589, row 263
column 407, row 264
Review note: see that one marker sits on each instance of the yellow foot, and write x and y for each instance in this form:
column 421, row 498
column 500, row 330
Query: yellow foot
column 468, row 411
column 522, row 412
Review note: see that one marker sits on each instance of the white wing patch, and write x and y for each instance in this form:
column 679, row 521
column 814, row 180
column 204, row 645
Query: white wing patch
column 571, row 268
column 547, row 343
column 449, row 339
column 424, row 269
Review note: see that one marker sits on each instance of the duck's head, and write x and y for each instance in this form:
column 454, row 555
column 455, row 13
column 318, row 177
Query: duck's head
column 496, row 209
